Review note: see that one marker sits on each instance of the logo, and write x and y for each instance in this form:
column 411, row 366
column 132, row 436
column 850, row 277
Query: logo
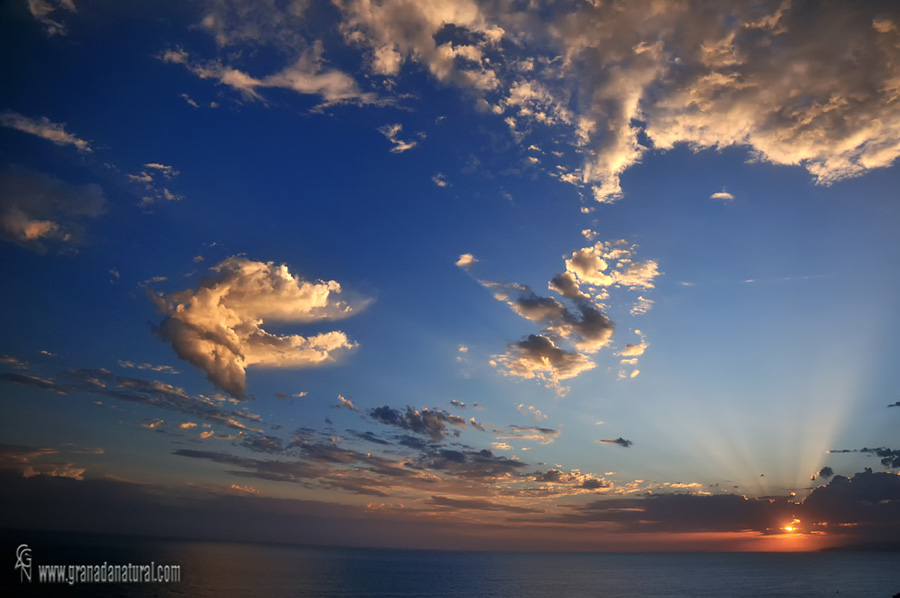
column 23, row 562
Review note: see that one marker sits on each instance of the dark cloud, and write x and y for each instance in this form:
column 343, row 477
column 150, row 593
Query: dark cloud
column 38, row 210
column 427, row 422
column 566, row 284
column 369, row 437
column 685, row 513
column 867, row 499
column 479, row 505
column 584, row 325
column 619, row 441
column 889, row 457
column 103, row 383
column 469, row 464
column 263, row 444
column 824, row 473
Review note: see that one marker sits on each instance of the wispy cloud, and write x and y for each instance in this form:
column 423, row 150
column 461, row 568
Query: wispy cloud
column 44, row 128
column 42, row 10
column 392, row 132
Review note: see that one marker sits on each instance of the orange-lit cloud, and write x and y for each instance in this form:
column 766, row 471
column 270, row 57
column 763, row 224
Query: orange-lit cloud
column 218, row 326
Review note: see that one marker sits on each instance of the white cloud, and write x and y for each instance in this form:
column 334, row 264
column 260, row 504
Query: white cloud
column 43, row 128
column 611, row 263
column 218, row 326
column 345, row 403
column 722, row 195
column 466, row 261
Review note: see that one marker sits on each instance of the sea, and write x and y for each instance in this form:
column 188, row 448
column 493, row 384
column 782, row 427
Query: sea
column 226, row 569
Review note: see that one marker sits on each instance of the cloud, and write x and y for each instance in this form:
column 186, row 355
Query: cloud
column 152, row 181
column 345, row 404
column 305, row 76
column 869, row 502
column 824, row 473
column 12, row 361
column 612, row 79
column 43, row 128
column 611, row 263
column 217, row 327
column 479, row 505
column 618, row 441
column 166, row 369
column 440, row 179
column 40, row 461
column 396, row 31
column 466, row 261
column 641, row 306
column 538, row 358
column 391, row 132
column 427, row 422
column 722, row 195
column 542, row 435
column 38, row 210
column 586, row 325
column 476, row 465
column 42, row 9
column 889, row 457
column 633, row 350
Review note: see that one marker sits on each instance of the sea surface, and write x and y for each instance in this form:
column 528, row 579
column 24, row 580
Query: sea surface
column 223, row 570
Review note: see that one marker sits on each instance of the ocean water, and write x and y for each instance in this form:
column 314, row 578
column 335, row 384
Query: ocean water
column 223, row 570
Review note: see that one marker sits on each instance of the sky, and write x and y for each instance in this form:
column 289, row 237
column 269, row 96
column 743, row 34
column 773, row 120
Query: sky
column 464, row 274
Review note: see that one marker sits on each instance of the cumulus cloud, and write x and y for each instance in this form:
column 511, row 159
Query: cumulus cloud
column 824, row 473
column 43, row 128
column 538, row 358
column 814, row 86
column 217, row 327
column 466, row 261
column 611, row 263
column 38, row 211
column 575, row 327
column 397, row 31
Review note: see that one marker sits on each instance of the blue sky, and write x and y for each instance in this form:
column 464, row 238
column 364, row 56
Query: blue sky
column 495, row 275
